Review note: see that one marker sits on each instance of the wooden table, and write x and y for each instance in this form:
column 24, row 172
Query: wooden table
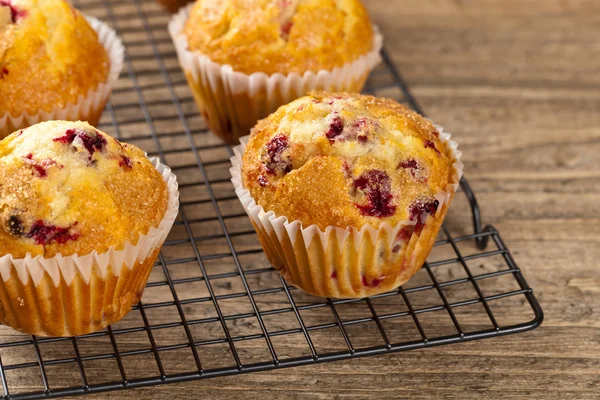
column 518, row 83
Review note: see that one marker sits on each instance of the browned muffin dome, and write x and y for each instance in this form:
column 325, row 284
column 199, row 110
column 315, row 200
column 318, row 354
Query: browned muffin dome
column 347, row 160
column 49, row 55
column 282, row 36
column 68, row 188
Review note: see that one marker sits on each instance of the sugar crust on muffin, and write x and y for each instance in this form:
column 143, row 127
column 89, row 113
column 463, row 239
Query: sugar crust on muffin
column 67, row 188
column 280, row 36
column 49, row 56
column 347, row 160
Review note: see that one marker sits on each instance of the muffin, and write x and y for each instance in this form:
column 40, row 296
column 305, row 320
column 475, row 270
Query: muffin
column 347, row 192
column 82, row 220
column 173, row 5
column 54, row 63
column 244, row 59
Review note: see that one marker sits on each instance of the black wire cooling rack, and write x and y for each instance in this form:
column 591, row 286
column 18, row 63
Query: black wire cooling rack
column 213, row 306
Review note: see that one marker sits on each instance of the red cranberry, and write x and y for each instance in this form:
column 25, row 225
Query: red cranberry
column 346, row 169
column 358, row 131
column 373, row 284
column 419, row 209
column 362, row 138
column 362, row 130
column 286, row 27
column 365, row 129
column 15, row 13
column 360, row 123
column 335, row 129
column 125, row 162
column 376, row 186
column 430, row 145
column 263, row 181
column 45, row 234
column 15, row 226
column 416, row 170
column 40, row 167
column 3, row 72
column 277, row 163
column 334, row 275
column 92, row 141
column 411, row 163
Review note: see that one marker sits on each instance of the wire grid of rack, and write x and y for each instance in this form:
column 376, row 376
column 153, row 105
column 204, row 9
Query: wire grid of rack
column 213, row 306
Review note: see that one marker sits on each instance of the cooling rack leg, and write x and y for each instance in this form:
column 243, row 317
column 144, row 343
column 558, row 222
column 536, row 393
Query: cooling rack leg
column 482, row 241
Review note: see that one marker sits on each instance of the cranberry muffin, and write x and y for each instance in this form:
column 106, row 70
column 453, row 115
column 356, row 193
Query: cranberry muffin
column 347, row 191
column 243, row 59
column 51, row 59
column 79, row 219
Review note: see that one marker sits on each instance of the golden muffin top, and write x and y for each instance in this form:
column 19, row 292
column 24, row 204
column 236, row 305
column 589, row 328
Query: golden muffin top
column 282, row 36
column 68, row 188
column 347, row 160
column 49, row 55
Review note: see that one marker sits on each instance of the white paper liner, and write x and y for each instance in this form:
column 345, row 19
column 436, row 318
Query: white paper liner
column 67, row 267
column 88, row 107
column 231, row 116
column 287, row 232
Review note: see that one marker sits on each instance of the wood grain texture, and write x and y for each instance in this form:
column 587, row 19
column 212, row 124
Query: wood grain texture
column 517, row 83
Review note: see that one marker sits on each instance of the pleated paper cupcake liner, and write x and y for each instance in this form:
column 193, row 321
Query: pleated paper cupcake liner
column 89, row 107
column 79, row 294
column 232, row 102
column 350, row 262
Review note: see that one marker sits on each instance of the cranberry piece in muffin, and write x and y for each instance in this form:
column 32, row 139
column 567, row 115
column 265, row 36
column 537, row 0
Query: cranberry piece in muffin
column 421, row 207
column 91, row 140
column 276, row 161
column 40, row 167
column 430, row 145
column 376, row 187
column 335, row 129
column 16, row 13
column 371, row 283
column 125, row 162
column 46, row 234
